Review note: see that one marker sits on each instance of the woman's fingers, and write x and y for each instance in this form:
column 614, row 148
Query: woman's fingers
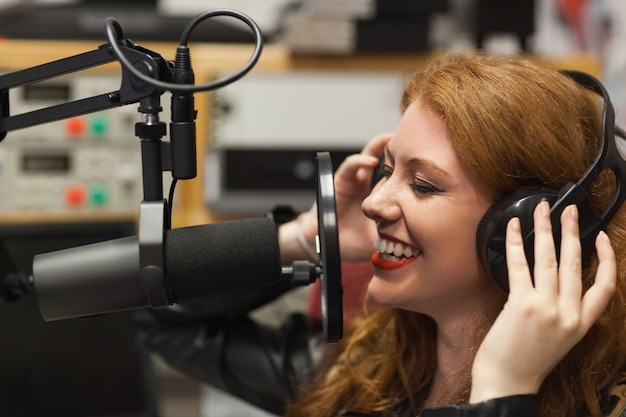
column 561, row 280
column 546, row 265
column 519, row 274
column 376, row 145
column 356, row 170
column 570, row 263
column 598, row 296
column 350, row 167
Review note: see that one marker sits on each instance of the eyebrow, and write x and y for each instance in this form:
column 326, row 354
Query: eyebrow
column 421, row 162
column 431, row 165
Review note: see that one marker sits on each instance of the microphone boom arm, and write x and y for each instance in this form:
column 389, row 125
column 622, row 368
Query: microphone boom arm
column 131, row 89
column 153, row 210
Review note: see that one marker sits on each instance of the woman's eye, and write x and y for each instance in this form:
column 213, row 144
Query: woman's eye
column 387, row 171
column 425, row 188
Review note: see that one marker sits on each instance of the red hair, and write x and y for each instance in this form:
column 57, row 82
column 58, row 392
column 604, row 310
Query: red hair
column 517, row 123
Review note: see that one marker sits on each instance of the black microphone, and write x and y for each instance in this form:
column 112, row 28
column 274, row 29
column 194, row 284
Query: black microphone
column 198, row 260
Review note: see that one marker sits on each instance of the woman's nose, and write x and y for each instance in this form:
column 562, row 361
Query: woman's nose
column 382, row 202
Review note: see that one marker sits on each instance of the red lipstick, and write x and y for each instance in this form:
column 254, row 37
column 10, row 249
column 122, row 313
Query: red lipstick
column 381, row 263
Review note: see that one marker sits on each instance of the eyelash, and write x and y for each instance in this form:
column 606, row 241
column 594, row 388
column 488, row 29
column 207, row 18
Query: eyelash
column 420, row 186
column 425, row 188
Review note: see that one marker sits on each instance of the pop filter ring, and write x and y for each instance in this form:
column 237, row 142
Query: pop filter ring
column 328, row 242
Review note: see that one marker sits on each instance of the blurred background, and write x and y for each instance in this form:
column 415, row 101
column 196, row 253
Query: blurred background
column 329, row 79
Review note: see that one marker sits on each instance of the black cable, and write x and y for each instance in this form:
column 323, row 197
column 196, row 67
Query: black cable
column 113, row 33
column 170, row 200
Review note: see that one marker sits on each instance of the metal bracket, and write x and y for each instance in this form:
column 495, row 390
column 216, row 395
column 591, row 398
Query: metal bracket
column 151, row 266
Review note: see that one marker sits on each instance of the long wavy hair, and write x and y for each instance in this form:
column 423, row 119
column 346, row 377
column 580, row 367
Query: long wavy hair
column 517, row 123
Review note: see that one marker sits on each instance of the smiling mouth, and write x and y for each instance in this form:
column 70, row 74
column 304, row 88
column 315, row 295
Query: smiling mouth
column 394, row 251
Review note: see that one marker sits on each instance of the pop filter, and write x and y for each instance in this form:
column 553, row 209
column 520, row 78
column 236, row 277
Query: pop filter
column 328, row 240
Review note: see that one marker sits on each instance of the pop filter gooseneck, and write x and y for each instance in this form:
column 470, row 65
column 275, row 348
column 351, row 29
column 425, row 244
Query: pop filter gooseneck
column 328, row 240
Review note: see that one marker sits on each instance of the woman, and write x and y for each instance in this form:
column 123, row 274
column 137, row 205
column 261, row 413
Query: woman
column 444, row 339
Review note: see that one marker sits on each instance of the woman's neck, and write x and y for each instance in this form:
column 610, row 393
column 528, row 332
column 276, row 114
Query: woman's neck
column 454, row 350
column 460, row 331
column 456, row 345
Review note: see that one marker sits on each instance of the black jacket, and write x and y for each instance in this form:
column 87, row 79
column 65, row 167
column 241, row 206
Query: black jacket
column 264, row 365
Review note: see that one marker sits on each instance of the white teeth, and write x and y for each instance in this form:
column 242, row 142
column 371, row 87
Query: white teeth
column 394, row 251
column 398, row 250
column 388, row 257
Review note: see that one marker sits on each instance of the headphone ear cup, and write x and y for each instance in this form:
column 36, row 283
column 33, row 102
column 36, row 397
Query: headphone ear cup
column 491, row 231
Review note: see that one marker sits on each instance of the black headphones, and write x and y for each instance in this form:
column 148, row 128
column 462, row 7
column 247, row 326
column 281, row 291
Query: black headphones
column 490, row 235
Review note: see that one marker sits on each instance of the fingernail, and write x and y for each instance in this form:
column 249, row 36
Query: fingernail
column 544, row 208
column 604, row 238
column 573, row 211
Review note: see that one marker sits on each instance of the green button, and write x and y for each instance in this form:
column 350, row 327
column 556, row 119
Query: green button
column 98, row 196
column 98, row 126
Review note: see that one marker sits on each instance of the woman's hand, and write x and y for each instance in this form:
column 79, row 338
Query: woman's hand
column 352, row 181
column 539, row 324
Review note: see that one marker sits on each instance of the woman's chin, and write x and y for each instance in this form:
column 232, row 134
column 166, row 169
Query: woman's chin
column 381, row 292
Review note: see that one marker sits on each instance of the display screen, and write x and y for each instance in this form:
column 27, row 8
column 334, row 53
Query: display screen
column 38, row 163
column 272, row 169
column 57, row 92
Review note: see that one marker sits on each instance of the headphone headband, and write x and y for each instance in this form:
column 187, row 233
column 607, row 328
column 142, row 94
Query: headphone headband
column 608, row 156
column 491, row 232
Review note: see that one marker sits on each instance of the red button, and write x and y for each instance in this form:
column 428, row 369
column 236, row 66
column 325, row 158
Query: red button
column 75, row 127
column 75, row 195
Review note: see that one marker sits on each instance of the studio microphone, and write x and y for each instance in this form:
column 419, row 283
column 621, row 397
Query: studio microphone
column 200, row 260
column 197, row 261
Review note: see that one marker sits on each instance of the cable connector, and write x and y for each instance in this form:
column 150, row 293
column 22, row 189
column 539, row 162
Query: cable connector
column 183, row 125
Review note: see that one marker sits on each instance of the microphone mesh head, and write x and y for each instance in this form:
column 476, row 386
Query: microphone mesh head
column 202, row 260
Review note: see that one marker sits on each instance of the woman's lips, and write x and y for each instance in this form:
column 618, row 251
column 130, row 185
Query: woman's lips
column 380, row 263
column 392, row 254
